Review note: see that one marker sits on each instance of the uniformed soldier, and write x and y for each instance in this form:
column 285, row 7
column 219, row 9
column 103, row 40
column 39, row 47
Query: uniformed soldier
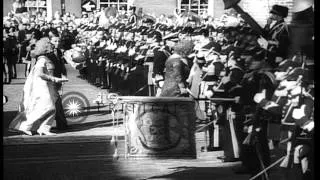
column 276, row 35
column 160, row 55
column 254, row 152
column 294, row 106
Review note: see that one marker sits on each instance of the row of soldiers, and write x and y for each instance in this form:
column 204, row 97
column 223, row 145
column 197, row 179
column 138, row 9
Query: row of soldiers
column 269, row 97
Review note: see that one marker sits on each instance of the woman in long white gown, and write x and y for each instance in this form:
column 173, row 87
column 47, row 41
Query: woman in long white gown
column 39, row 95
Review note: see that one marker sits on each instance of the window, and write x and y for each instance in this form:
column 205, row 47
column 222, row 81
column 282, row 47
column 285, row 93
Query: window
column 113, row 3
column 196, row 6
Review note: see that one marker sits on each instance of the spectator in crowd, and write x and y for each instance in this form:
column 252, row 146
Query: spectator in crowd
column 276, row 42
column 57, row 18
column 11, row 52
column 132, row 16
column 19, row 7
column 7, row 78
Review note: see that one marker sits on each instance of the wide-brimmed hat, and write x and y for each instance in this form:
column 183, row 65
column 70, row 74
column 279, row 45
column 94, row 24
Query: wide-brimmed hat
column 280, row 10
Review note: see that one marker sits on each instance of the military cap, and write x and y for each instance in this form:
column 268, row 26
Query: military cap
column 296, row 72
column 144, row 31
column 170, row 28
column 163, row 27
column 155, row 34
column 280, row 10
column 28, row 31
column 200, row 58
column 196, row 31
column 100, row 29
column 148, row 21
column 210, row 28
column 204, row 32
column 173, row 35
column 132, row 8
column 212, row 45
column 187, row 30
column 284, row 65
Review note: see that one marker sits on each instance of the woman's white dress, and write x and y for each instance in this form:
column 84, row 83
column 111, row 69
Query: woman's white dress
column 39, row 97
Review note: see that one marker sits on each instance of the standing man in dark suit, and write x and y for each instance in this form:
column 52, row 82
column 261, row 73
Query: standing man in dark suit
column 11, row 49
column 59, row 71
column 276, row 42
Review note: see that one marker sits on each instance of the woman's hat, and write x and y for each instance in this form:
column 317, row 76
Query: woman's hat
column 280, row 10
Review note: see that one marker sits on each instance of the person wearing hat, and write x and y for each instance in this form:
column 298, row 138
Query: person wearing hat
column 292, row 108
column 19, row 7
column 121, row 16
column 203, row 38
column 254, row 144
column 132, row 16
column 11, row 49
column 177, row 71
column 22, row 42
column 276, row 32
column 160, row 55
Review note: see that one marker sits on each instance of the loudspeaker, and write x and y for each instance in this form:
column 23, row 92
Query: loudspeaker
column 301, row 5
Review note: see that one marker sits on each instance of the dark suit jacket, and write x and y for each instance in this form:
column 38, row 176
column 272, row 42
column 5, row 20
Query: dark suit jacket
column 279, row 33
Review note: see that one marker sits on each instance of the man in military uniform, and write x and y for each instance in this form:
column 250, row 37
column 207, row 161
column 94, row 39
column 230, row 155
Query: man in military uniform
column 160, row 55
column 293, row 105
column 277, row 38
column 254, row 152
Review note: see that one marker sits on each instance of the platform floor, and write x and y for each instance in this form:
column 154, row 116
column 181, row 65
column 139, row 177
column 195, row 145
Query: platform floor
column 84, row 151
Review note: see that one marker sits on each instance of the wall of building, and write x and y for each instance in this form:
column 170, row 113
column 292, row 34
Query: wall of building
column 218, row 8
column 156, row 7
column 259, row 9
column 73, row 6
column 7, row 6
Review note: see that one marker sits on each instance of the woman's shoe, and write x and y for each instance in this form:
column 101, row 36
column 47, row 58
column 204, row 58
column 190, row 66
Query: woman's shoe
column 7, row 81
column 29, row 133
column 45, row 133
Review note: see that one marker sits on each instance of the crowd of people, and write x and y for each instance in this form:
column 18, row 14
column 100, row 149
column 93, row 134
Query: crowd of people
column 180, row 56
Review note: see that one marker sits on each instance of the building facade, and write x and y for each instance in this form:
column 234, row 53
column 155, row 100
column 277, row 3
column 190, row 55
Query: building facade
column 258, row 9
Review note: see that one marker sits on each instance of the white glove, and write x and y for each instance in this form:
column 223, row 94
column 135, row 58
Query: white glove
column 225, row 79
column 263, row 43
column 298, row 113
column 288, row 84
column 260, row 96
column 280, row 75
column 296, row 90
column 208, row 94
column 281, row 93
column 131, row 52
column 270, row 105
column 309, row 127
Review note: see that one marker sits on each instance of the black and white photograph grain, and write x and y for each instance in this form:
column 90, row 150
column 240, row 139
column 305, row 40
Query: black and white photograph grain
column 158, row 90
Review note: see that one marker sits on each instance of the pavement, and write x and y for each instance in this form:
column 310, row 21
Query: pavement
column 84, row 151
